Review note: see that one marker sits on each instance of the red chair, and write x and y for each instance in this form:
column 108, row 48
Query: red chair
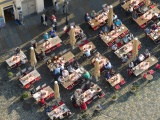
column 86, row 41
column 60, row 103
column 122, row 35
column 54, row 107
column 152, row 6
column 126, row 32
column 122, row 82
column 119, row 45
column 19, row 63
column 58, row 45
column 42, row 101
column 157, row 66
column 95, row 28
column 151, row 72
column 103, row 94
column 143, row 26
column 69, row 87
column 75, row 83
column 109, row 44
column 38, row 78
column 51, row 95
column 141, row 4
column 139, row 47
column 117, row 87
column 89, row 101
column 48, row 51
column 27, row 86
column 129, row 72
column 53, row 48
column 144, row 75
column 83, row 106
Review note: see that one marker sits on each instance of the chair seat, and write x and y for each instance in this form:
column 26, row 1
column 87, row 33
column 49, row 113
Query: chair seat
column 144, row 75
column 60, row 103
column 103, row 94
column 117, row 87
column 54, row 107
column 151, row 72
column 70, row 87
column 89, row 101
column 27, row 86
column 122, row 82
column 157, row 66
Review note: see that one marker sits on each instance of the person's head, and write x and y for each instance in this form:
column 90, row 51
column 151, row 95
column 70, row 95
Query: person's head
column 90, row 46
column 146, row 50
column 87, row 14
column 98, row 89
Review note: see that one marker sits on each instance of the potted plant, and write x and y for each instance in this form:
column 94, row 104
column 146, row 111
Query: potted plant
column 114, row 97
column 25, row 96
column 10, row 74
column 134, row 89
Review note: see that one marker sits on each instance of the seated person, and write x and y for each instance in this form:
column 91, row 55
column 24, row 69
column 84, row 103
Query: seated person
column 100, row 33
column 114, row 47
column 115, row 17
column 140, row 11
column 130, row 36
column 83, row 105
column 154, row 27
column 35, row 45
column 134, row 14
column 61, row 79
column 61, row 66
column 88, row 51
column 81, row 34
column 99, row 92
column 130, row 8
column 147, row 53
column 46, row 36
column 93, row 14
column 86, row 75
column 118, row 22
column 76, row 65
column 158, row 16
column 112, row 72
column 131, row 65
column 105, row 29
column 141, row 57
column 108, row 65
column 122, row 2
column 18, row 50
column 113, row 27
column 65, row 73
column 47, row 108
column 125, row 39
column 108, row 75
column 42, row 101
column 106, row 8
column 67, row 114
column 147, row 31
column 70, row 69
column 87, row 18
column 52, row 33
column 57, row 70
column 77, row 93
column 124, row 58
column 86, row 85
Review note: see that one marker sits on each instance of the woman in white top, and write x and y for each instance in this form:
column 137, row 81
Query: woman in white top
column 141, row 58
column 131, row 65
column 65, row 73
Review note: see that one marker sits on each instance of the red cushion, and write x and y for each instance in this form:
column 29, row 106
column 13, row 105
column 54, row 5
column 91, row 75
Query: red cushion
column 158, row 66
column 122, row 82
column 69, row 87
column 144, row 75
column 27, row 86
column 117, row 87
column 151, row 72
column 102, row 95
column 89, row 101
column 109, row 44
column 61, row 102
column 54, row 107
column 83, row 106
column 119, row 45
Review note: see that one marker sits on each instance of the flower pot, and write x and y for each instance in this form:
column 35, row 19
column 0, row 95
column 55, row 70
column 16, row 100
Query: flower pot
column 10, row 74
column 114, row 98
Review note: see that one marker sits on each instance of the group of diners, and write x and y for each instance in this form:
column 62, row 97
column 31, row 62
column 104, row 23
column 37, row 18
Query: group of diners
column 57, row 110
column 153, row 32
column 141, row 63
column 97, row 19
column 86, row 94
column 141, row 13
column 17, row 59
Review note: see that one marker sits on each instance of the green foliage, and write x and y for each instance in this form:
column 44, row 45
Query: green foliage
column 10, row 74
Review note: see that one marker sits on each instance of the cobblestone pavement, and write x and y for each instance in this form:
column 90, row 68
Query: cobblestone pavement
column 142, row 106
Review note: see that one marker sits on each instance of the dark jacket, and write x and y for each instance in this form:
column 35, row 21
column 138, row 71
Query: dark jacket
column 43, row 20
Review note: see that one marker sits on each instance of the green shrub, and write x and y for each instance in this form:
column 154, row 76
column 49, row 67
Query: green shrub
column 10, row 74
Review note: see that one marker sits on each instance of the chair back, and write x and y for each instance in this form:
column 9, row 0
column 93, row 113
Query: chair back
column 24, row 70
column 38, row 88
column 18, row 74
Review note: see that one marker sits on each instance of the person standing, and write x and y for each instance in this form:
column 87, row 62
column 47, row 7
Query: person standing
column 56, row 6
column 44, row 19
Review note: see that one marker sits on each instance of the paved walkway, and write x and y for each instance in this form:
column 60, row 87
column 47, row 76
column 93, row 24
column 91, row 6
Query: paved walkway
column 144, row 106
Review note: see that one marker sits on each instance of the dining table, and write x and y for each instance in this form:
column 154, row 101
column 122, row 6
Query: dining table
column 16, row 58
column 43, row 93
column 88, row 94
column 85, row 46
column 112, row 35
column 100, row 18
column 66, row 58
column 143, row 19
column 155, row 34
column 125, row 49
column 133, row 3
column 114, row 80
column 144, row 65
column 48, row 44
column 58, row 112
column 101, row 59
column 28, row 78
column 71, row 78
